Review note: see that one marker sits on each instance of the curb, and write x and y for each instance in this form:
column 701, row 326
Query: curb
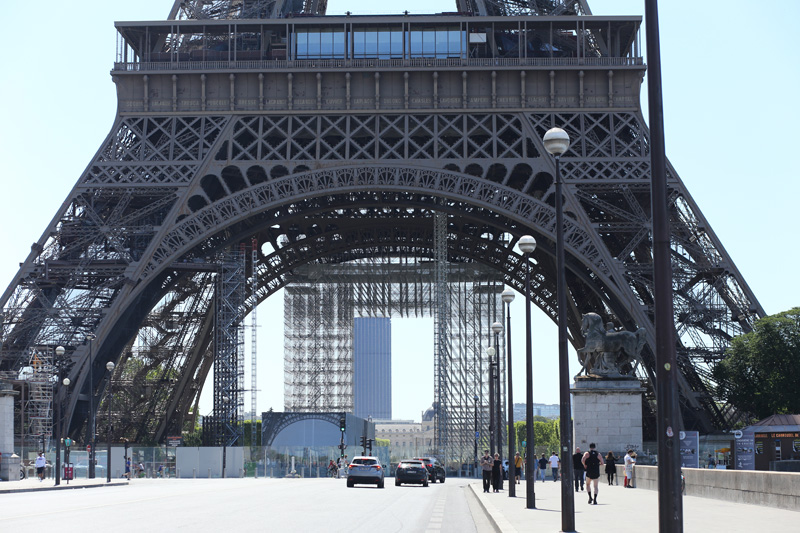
column 496, row 518
column 65, row 487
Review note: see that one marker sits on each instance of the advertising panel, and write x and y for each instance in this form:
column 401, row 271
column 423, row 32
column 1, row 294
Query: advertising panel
column 690, row 449
column 744, row 450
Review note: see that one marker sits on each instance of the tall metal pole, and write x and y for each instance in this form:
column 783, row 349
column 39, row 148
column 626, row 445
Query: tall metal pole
column 91, row 337
column 110, row 368
column 477, row 435
column 59, row 351
column 490, row 352
column 508, row 297
column 556, row 142
column 567, row 496
column 670, row 504
column 498, row 404
column 57, row 432
column 527, row 244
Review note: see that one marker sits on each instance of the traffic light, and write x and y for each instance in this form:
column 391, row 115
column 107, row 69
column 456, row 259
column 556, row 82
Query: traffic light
column 369, row 444
column 342, row 423
column 363, row 441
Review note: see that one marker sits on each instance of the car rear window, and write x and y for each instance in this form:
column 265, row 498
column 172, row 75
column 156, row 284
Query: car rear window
column 411, row 463
column 365, row 461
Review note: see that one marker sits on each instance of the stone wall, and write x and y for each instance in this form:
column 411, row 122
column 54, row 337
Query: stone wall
column 754, row 487
column 607, row 412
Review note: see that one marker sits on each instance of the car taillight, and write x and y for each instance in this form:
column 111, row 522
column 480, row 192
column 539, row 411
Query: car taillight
column 350, row 466
column 377, row 466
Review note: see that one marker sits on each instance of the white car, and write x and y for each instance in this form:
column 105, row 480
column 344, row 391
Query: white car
column 365, row 470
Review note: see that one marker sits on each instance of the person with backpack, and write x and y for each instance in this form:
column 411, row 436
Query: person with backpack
column 592, row 461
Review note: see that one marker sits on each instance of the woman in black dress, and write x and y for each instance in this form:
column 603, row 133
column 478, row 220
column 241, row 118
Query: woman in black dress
column 497, row 469
column 611, row 467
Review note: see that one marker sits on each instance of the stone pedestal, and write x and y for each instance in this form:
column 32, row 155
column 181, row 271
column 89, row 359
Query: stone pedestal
column 608, row 412
column 9, row 463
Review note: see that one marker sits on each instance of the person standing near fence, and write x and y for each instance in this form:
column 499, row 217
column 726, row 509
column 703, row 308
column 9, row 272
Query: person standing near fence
column 542, row 464
column 611, row 467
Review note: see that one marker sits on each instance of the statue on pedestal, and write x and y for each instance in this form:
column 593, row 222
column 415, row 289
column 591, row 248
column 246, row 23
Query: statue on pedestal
column 608, row 353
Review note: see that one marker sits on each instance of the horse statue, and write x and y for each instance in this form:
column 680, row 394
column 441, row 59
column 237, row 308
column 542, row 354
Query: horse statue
column 608, row 351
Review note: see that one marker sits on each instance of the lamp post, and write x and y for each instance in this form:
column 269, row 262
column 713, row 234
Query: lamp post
column 59, row 351
column 110, row 368
column 225, row 399
column 497, row 328
column 477, row 435
column 508, row 297
column 527, row 244
column 670, row 503
column 90, row 423
column 490, row 351
column 556, row 142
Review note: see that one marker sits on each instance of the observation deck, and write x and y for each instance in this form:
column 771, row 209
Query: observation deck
column 379, row 62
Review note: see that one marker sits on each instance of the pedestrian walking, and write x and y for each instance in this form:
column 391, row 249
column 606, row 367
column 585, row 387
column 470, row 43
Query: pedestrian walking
column 632, row 482
column 542, row 466
column 486, row 470
column 611, row 467
column 629, row 469
column 592, row 461
column 128, row 467
column 497, row 473
column 711, row 462
column 555, row 462
column 578, row 469
column 40, row 464
column 518, row 467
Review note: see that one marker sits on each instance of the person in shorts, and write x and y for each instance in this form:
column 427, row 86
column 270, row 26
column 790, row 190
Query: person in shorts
column 592, row 461
column 40, row 463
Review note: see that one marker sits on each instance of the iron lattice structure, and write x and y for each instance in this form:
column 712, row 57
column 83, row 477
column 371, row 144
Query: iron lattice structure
column 321, row 301
column 231, row 131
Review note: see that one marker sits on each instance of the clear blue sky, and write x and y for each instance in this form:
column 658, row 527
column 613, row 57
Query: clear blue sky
column 730, row 103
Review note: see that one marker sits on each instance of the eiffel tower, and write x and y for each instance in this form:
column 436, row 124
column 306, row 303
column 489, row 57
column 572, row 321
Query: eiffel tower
column 337, row 138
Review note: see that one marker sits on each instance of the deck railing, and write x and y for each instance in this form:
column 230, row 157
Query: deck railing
column 333, row 64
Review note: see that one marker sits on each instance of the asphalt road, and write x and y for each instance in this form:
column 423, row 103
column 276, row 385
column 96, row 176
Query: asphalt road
column 283, row 505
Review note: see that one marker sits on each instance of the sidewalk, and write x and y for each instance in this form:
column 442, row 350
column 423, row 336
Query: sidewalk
column 622, row 510
column 33, row 484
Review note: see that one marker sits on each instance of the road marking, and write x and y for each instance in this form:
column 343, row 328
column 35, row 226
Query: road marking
column 437, row 515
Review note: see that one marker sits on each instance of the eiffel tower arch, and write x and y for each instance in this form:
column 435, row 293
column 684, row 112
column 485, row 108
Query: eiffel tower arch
column 335, row 138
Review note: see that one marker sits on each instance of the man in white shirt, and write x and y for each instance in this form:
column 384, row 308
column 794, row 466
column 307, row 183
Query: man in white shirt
column 629, row 462
column 40, row 463
column 554, row 464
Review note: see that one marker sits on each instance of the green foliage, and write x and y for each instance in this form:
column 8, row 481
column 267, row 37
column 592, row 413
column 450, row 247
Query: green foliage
column 545, row 434
column 382, row 442
column 761, row 374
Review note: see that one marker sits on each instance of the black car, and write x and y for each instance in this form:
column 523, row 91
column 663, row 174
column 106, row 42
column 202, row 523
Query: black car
column 411, row 471
column 434, row 467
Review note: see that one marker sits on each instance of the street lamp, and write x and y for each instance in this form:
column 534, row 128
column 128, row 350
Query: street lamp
column 670, row 504
column 527, row 244
column 110, row 368
column 497, row 328
column 508, row 297
column 90, row 423
column 59, row 351
column 490, row 351
column 556, row 142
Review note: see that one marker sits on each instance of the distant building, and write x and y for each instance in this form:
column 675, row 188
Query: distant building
column 407, row 438
column 539, row 409
column 372, row 368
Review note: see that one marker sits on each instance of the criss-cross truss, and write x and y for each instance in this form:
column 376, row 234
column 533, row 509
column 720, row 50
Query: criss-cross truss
column 271, row 128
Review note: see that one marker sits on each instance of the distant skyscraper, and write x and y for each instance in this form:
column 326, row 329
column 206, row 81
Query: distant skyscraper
column 372, row 368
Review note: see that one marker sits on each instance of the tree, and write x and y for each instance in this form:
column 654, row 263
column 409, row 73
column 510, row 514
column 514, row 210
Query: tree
column 761, row 373
column 545, row 433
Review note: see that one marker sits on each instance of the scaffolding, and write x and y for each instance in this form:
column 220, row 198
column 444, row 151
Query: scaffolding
column 228, row 340
column 39, row 406
column 322, row 301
